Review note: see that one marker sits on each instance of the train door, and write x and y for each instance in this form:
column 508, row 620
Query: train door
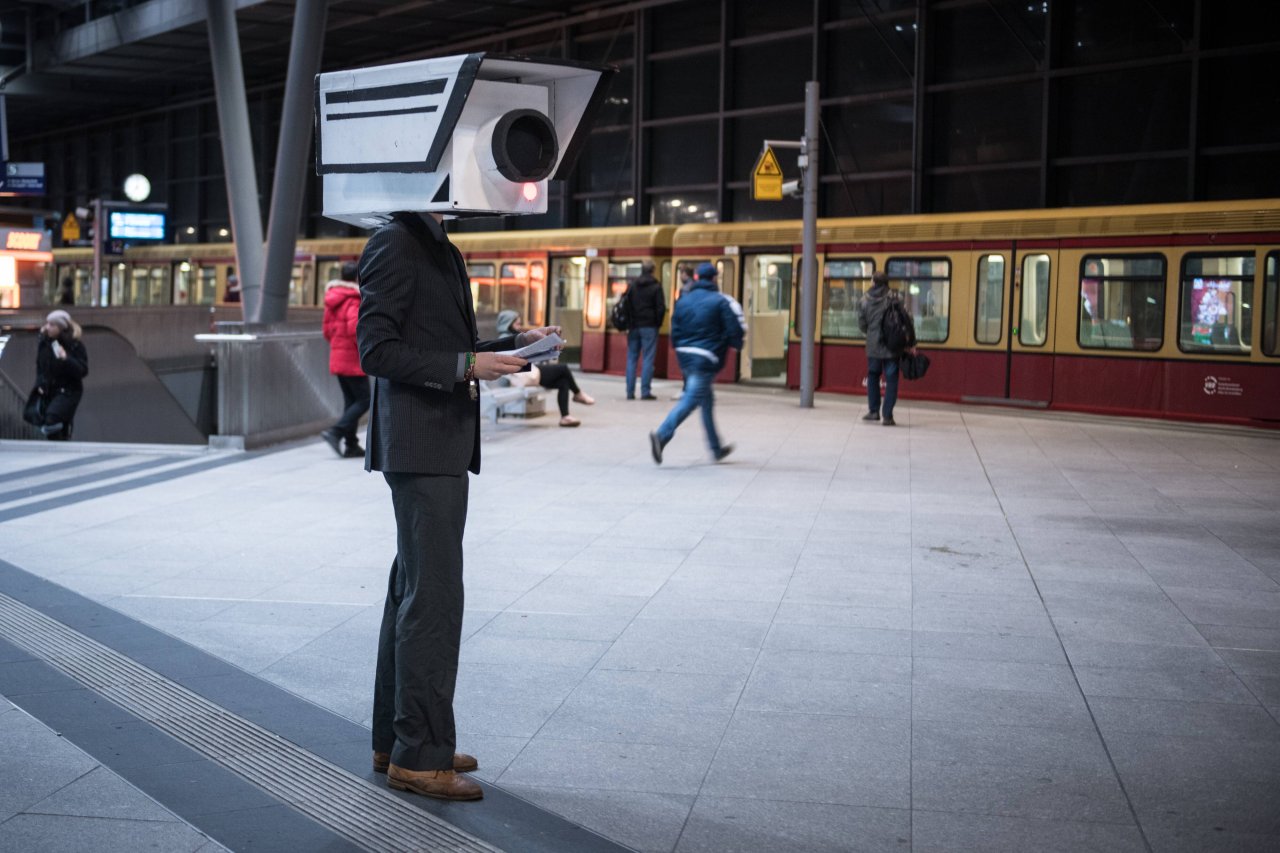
column 1029, row 365
column 766, row 304
column 566, row 298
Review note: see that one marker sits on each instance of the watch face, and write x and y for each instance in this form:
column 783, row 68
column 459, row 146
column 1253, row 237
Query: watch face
column 137, row 187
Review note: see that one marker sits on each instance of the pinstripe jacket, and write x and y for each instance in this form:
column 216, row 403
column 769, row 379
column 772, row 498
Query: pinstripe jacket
column 416, row 317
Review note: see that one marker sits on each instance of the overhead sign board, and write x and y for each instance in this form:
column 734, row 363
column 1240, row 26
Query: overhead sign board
column 19, row 179
column 766, row 177
column 26, row 240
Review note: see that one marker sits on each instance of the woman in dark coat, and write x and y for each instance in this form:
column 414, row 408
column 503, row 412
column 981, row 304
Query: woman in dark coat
column 61, row 365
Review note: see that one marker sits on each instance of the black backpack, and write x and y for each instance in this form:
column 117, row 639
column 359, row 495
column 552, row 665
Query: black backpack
column 897, row 330
column 621, row 314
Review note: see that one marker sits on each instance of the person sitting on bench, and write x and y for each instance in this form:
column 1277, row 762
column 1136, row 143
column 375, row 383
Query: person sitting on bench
column 549, row 376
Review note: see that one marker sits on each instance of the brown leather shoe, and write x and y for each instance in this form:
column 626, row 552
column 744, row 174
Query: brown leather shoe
column 441, row 784
column 462, row 762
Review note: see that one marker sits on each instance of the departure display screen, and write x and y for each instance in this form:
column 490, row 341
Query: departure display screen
column 133, row 225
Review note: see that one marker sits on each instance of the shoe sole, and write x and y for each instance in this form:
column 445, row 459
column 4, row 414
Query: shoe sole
column 382, row 768
column 404, row 786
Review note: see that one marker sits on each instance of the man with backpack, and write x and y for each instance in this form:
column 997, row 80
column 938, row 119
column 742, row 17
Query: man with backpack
column 890, row 332
column 646, row 309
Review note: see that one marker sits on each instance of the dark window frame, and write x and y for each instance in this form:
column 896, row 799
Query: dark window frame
column 1271, row 305
column 977, row 295
column 1164, row 279
column 861, row 334
column 1182, row 279
column 1022, row 299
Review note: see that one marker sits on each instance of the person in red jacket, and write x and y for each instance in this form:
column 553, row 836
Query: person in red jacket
column 341, row 308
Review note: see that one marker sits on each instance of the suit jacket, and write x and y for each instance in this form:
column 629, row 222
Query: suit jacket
column 416, row 317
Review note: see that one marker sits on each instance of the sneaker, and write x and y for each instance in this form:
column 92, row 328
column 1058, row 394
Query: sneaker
column 333, row 438
column 655, row 447
column 353, row 450
column 890, row 422
column 723, row 452
column 51, row 429
column 648, row 397
column 871, row 416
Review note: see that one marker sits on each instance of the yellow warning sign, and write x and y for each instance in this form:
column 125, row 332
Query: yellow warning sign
column 70, row 228
column 766, row 177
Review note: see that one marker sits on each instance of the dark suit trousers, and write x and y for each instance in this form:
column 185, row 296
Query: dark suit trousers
column 421, row 623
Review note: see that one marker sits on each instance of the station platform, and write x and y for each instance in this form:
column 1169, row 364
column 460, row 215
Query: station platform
column 979, row 630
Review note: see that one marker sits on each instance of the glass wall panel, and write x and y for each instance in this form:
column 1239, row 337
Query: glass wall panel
column 859, row 61
column 1217, row 304
column 1237, row 24
column 866, row 198
column 1004, row 189
column 684, row 154
column 603, row 212
column 744, row 208
column 1232, row 111
column 1122, row 302
column 925, row 285
column 987, row 39
column 747, row 134
column 1241, row 175
column 844, row 284
column 606, row 164
column 685, row 85
column 1098, row 116
column 616, row 108
column 996, row 125
column 873, row 137
column 1033, row 329
column 1134, row 182
column 681, row 25
column 1094, row 32
column 989, row 316
column 761, row 17
column 681, row 208
column 769, row 73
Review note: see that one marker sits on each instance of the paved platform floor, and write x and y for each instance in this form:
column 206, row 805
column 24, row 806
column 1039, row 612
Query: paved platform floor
column 979, row 630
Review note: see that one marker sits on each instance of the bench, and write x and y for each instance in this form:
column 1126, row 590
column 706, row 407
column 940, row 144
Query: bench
column 522, row 401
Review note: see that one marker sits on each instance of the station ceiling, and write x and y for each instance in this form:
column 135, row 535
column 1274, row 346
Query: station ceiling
column 67, row 63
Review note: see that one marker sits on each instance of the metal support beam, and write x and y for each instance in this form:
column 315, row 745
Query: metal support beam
column 809, row 240
column 237, row 152
column 292, row 160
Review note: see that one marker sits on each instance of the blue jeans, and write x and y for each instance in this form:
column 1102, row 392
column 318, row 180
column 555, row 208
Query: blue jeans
column 875, row 366
column 699, row 377
column 641, row 343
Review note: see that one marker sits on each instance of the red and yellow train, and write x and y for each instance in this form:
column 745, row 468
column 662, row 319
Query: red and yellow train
column 1158, row 310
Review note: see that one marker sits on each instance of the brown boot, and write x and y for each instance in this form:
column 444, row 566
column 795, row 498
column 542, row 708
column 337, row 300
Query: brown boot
column 441, row 784
column 462, row 762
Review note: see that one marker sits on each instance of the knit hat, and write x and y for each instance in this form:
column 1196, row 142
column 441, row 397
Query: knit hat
column 505, row 319
column 59, row 317
column 706, row 269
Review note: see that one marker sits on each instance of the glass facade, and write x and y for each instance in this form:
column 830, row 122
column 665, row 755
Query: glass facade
column 927, row 106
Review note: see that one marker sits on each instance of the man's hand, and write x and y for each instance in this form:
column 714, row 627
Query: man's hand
column 491, row 365
column 527, row 337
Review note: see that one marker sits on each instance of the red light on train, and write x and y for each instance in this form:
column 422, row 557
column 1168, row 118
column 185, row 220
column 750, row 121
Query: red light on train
column 529, row 191
column 26, row 241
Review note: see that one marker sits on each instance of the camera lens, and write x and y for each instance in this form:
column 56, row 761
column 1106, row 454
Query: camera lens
column 524, row 146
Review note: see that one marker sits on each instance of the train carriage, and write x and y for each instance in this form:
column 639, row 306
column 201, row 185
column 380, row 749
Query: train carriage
column 1158, row 310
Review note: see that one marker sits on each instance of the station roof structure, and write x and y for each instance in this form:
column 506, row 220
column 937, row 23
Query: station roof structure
column 68, row 63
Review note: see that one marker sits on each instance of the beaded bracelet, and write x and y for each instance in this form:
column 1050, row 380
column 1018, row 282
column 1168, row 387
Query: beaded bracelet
column 470, row 372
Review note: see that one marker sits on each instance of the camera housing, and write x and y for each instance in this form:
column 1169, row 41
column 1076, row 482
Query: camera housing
column 467, row 135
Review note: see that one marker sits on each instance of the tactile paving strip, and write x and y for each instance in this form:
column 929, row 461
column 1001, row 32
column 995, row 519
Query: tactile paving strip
column 349, row 806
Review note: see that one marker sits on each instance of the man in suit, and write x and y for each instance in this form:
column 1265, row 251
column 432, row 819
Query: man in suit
column 417, row 338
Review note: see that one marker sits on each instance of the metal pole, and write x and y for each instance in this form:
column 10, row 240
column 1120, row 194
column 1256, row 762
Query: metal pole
column 809, row 262
column 96, row 296
column 291, row 158
column 237, row 152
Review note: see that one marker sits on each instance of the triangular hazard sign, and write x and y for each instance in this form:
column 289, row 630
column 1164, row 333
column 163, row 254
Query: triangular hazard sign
column 767, row 166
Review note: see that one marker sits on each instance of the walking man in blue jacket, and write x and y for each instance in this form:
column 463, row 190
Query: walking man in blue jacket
column 703, row 327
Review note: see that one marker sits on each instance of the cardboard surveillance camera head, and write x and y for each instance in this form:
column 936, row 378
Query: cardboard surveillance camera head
column 461, row 135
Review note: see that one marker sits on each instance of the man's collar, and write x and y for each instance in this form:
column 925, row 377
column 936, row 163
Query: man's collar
column 435, row 229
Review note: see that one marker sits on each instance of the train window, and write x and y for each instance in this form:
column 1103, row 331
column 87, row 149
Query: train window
column 1122, row 302
column 1271, row 310
column 1033, row 326
column 513, row 283
column 990, row 309
column 1217, row 303
column 925, row 285
column 206, row 286
column 844, row 283
column 568, row 287
column 484, row 290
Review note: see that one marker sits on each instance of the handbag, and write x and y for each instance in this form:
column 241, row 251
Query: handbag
column 34, row 409
column 914, row 366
